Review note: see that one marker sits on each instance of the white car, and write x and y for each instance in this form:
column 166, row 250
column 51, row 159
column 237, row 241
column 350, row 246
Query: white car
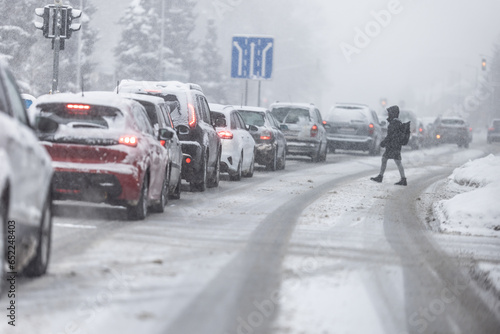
column 25, row 188
column 238, row 145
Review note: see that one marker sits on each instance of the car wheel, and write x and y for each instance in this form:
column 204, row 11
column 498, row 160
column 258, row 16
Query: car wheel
column 325, row 151
column 317, row 156
column 140, row 211
column 38, row 265
column 201, row 185
column 237, row 176
column 273, row 164
column 282, row 161
column 160, row 206
column 249, row 173
column 215, row 179
column 177, row 192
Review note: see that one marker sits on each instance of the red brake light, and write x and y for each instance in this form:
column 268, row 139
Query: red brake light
column 324, row 122
column 128, row 140
column 371, row 128
column 266, row 135
column 470, row 129
column 225, row 134
column 192, row 116
column 188, row 160
column 78, row 106
column 314, row 130
column 421, row 130
column 163, row 142
column 153, row 91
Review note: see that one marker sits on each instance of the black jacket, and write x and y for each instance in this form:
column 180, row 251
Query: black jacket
column 392, row 141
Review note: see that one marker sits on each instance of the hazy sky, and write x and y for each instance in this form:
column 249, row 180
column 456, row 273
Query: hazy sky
column 421, row 49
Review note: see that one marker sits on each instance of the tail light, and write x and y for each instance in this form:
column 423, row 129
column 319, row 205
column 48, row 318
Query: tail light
column 438, row 136
column 78, row 106
column 491, row 129
column 128, row 140
column 420, row 130
column 371, row 128
column 163, row 142
column 188, row 160
column 314, row 130
column 324, row 122
column 225, row 134
column 470, row 129
column 266, row 135
column 192, row 115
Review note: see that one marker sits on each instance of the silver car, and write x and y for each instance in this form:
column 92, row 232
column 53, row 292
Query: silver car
column 302, row 125
column 353, row 127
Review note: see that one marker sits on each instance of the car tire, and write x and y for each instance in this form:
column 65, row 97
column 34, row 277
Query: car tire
column 160, row 206
column 249, row 173
column 201, row 186
column 317, row 156
column 282, row 161
column 38, row 265
column 273, row 164
column 140, row 211
column 237, row 176
column 215, row 178
column 176, row 194
column 325, row 151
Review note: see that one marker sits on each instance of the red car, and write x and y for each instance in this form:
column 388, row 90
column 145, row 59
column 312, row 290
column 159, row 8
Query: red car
column 103, row 149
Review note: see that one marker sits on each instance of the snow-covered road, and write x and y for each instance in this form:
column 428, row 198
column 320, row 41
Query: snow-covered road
column 317, row 248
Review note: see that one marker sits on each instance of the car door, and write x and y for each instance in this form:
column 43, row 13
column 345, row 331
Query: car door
column 280, row 140
column 211, row 135
column 29, row 163
column 153, row 152
column 175, row 152
column 247, row 140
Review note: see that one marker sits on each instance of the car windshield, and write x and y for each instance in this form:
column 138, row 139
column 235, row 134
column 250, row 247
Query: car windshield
column 291, row 115
column 151, row 111
column 452, row 122
column 346, row 114
column 253, row 117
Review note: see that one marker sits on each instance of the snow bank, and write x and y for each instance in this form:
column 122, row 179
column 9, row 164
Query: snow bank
column 474, row 210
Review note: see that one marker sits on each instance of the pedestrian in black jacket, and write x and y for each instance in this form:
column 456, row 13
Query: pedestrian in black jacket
column 392, row 144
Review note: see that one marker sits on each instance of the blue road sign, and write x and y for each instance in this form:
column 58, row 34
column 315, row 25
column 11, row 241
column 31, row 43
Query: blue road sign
column 252, row 57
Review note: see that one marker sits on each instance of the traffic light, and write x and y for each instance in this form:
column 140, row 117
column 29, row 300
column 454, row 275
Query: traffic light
column 72, row 14
column 44, row 26
column 483, row 64
column 383, row 102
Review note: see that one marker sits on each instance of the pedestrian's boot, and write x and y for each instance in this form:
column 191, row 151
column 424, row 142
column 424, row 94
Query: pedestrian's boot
column 378, row 178
column 401, row 182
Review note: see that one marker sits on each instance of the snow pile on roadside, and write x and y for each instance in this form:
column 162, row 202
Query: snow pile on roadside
column 474, row 210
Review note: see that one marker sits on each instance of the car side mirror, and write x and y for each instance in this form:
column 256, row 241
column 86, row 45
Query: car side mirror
column 165, row 134
column 46, row 125
column 182, row 130
column 252, row 128
column 283, row 127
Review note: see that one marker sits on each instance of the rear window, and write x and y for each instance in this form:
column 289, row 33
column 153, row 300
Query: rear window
column 151, row 111
column 179, row 115
column 291, row 115
column 219, row 119
column 347, row 114
column 252, row 117
column 452, row 122
column 83, row 116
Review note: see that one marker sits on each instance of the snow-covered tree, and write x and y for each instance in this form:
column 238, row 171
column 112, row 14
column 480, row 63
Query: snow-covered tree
column 16, row 33
column 209, row 71
column 139, row 50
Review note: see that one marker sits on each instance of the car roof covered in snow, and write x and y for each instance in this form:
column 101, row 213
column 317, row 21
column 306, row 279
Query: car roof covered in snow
column 292, row 104
column 108, row 99
column 249, row 108
column 221, row 107
column 143, row 97
column 128, row 85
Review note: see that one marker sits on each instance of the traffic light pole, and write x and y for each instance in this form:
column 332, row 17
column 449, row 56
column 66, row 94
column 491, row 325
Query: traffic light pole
column 57, row 46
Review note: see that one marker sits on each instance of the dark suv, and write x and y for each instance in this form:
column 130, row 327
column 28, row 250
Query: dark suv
column 353, row 127
column 201, row 146
column 454, row 130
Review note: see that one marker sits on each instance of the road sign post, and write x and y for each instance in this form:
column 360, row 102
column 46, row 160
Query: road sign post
column 252, row 59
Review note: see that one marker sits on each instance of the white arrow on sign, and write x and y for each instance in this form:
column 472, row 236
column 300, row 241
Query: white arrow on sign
column 252, row 57
column 240, row 58
column 264, row 52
